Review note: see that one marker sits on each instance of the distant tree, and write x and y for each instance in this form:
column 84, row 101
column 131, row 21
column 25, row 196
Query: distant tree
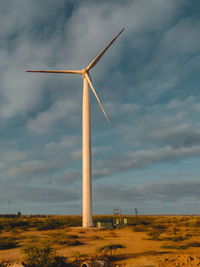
column 110, row 250
column 19, row 214
column 136, row 212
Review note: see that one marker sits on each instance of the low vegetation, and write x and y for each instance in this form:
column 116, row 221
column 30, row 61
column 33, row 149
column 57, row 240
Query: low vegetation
column 4, row 263
column 110, row 250
column 43, row 238
column 157, row 236
column 182, row 247
column 42, row 255
column 62, row 238
column 8, row 242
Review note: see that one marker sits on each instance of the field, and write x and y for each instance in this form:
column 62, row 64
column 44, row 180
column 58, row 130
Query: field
column 145, row 241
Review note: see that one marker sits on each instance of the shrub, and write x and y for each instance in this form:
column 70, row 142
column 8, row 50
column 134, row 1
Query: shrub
column 39, row 255
column 96, row 237
column 7, row 242
column 176, row 238
column 68, row 242
column 64, row 239
column 194, row 244
column 175, row 230
column 9, row 224
column 139, row 228
column 4, row 263
column 49, row 224
column 60, row 261
column 73, row 243
column 73, row 236
column 76, row 255
column 166, row 246
column 197, row 224
column 154, row 235
column 159, row 227
column 110, row 249
column 79, row 257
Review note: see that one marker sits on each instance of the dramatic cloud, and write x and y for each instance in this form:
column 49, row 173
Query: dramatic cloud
column 148, row 83
column 167, row 192
column 32, row 168
column 143, row 158
column 37, row 194
column 177, row 136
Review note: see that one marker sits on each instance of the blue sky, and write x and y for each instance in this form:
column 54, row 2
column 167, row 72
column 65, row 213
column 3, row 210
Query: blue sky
column 148, row 82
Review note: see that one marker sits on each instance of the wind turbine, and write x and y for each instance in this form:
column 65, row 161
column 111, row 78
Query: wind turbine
column 86, row 132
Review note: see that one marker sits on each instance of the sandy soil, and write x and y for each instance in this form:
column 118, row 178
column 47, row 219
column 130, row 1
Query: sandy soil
column 139, row 251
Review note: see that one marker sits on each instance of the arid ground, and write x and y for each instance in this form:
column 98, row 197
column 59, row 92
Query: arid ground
column 146, row 241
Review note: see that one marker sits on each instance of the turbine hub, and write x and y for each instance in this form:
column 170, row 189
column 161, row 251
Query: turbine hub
column 83, row 72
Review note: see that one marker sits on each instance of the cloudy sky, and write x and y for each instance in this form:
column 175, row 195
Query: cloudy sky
column 148, row 157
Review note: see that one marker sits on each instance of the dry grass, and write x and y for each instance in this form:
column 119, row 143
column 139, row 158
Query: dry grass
column 147, row 239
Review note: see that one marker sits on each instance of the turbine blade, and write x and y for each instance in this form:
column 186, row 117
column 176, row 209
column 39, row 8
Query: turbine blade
column 97, row 58
column 57, row 71
column 90, row 83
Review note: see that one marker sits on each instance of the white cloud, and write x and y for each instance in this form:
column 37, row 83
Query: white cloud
column 66, row 141
column 46, row 120
column 159, row 191
column 34, row 40
column 180, row 135
column 176, row 57
column 36, row 194
column 69, row 177
column 142, row 158
column 118, row 109
column 33, row 167
column 11, row 156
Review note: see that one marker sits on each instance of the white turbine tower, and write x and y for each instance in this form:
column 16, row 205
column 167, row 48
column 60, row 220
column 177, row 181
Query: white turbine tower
column 86, row 133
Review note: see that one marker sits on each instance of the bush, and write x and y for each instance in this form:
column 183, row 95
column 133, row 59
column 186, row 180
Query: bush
column 166, row 246
column 7, row 242
column 65, row 239
column 139, row 228
column 176, row 238
column 197, row 224
column 8, row 224
column 79, row 257
column 175, row 230
column 68, row 242
column 59, row 261
column 110, row 249
column 159, row 227
column 73, row 243
column 49, row 224
column 42, row 255
column 154, row 235
column 4, row 263
column 194, row 244
column 73, row 236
